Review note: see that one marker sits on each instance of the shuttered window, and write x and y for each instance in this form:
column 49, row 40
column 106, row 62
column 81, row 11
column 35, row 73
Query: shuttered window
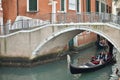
column 62, row 5
column 102, row 7
column 88, row 5
column 97, row 6
column 78, row 9
column 32, row 5
column 72, row 4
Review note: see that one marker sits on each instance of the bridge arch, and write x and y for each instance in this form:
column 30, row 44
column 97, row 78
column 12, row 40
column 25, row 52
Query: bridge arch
column 73, row 31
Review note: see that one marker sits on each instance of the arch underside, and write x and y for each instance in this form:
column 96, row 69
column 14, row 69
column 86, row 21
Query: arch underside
column 64, row 36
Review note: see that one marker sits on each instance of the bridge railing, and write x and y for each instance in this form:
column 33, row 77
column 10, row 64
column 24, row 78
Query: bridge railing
column 87, row 17
column 59, row 18
column 22, row 25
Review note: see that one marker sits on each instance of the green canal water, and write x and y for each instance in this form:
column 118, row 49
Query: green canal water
column 57, row 70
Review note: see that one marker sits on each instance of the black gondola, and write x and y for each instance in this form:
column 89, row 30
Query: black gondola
column 89, row 67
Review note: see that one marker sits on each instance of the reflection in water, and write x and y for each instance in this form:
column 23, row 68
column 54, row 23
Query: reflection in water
column 54, row 71
column 77, row 76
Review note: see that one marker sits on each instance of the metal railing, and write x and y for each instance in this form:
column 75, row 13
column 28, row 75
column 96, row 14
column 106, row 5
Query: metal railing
column 59, row 18
column 87, row 17
column 22, row 25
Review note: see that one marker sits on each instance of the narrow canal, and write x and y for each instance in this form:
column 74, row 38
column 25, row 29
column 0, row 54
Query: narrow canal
column 55, row 71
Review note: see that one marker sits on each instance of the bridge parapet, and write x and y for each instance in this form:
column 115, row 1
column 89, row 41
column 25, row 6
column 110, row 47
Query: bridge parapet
column 104, row 29
column 60, row 18
column 30, row 43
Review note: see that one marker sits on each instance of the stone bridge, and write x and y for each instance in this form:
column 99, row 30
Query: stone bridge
column 52, row 37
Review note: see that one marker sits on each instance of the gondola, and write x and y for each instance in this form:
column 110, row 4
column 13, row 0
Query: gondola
column 89, row 66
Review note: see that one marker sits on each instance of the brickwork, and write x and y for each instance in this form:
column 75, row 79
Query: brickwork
column 13, row 8
column 9, row 10
column 86, row 38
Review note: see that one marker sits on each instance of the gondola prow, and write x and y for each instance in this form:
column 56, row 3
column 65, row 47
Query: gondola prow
column 68, row 61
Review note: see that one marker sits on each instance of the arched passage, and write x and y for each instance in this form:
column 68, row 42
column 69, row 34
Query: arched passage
column 63, row 37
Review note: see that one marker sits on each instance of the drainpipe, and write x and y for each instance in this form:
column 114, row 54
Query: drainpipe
column 17, row 8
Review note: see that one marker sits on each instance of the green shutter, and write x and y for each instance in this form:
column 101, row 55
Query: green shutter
column 97, row 6
column 102, row 7
column 32, row 5
column 88, row 5
column 62, row 5
column 78, row 5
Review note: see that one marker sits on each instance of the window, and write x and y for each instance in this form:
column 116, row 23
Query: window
column 97, row 6
column 88, row 6
column 107, row 8
column 102, row 7
column 63, row 5
column 78, row 6
column 72, row 4
column 32, row 5
column 110, row 9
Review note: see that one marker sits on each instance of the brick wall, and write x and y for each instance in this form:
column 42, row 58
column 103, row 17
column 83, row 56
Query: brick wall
column 9, row 10
column 12, row 8
column 86, row 38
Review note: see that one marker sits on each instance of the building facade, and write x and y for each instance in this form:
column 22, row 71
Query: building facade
column 116, row 7
column 38, row 8
column 1, row 14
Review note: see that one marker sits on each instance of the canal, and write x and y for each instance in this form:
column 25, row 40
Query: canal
column 57, row 70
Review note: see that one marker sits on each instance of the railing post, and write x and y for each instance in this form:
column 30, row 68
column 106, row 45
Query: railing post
column 82, row 17
column 28, row 23
column 2, row 30
column 103, row 17
column 78, row 18
column 90, row 16
column 64, row 17
column 53, row 18
column 50, row 18
column 99, row 17
column 7, row 27
column 22, row 24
